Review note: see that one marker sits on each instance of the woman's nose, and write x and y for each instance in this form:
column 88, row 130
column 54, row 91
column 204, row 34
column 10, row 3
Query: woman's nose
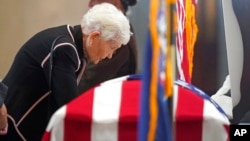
column 110, row 55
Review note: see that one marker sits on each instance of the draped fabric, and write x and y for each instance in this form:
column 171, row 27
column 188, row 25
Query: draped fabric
column 196, row 116
column 111, row 112
column 108, row 112
column 155, row 117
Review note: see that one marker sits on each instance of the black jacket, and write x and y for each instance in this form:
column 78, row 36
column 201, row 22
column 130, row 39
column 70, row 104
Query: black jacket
column 29, row 102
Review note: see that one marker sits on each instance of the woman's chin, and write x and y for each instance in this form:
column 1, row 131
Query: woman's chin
column 96, row 61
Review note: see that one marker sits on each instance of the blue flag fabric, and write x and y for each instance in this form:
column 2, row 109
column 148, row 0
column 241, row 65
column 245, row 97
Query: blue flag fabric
column 155, row 119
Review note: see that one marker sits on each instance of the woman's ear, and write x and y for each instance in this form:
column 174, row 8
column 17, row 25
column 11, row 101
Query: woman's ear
column 94, row 35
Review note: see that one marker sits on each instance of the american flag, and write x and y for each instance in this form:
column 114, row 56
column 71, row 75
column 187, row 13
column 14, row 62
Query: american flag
column 108, row 112
column 185, row 37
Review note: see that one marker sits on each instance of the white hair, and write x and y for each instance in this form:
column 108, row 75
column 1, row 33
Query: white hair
column 109, row 21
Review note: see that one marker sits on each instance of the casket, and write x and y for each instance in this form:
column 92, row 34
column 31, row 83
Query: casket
column 110, row 112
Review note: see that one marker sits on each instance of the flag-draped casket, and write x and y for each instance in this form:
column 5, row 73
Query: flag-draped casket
column 107, row 112
column 110, row 111
column 196, row 116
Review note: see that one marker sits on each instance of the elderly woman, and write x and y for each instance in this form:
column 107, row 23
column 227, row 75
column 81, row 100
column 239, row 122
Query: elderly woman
column 46, row 70
column 125, row 58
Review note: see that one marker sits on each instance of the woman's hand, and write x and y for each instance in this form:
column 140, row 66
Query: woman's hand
column 3, row 120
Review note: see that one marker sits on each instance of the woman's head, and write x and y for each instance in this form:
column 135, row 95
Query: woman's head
column 106, row 29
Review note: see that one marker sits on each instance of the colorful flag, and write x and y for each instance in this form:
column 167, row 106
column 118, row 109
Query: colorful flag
column 155, row 118
column 108, row 112
column 186, row 37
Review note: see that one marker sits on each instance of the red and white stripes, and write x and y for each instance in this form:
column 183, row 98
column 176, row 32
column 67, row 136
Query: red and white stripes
column 107, row 112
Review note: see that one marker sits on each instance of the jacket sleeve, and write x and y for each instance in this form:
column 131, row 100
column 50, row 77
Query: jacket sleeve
column 64, row 78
